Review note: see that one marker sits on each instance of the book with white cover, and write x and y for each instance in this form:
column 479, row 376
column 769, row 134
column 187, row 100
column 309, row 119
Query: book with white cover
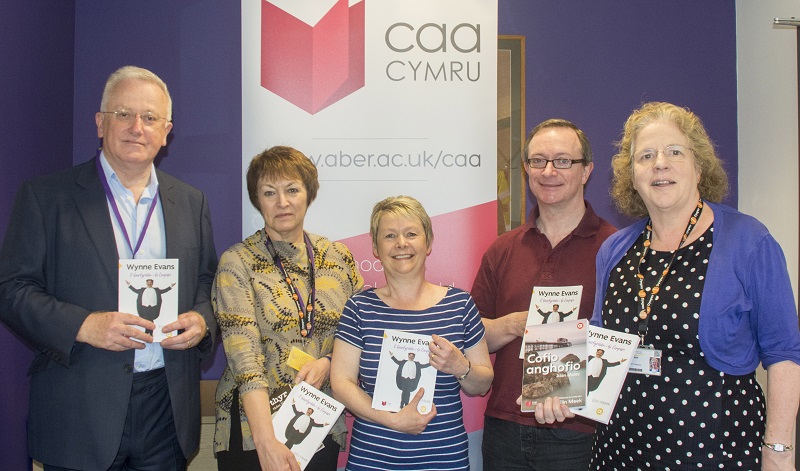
column 551, row 304
column 609, row 356
column 554, row 364
column 403, row 368
column 304, row 419
column 149, row 288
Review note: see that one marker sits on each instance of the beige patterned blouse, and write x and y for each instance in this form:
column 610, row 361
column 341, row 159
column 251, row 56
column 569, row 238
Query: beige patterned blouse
column 258, row 318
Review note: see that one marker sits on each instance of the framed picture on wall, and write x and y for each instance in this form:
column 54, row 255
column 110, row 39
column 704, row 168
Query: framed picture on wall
column 510, row 132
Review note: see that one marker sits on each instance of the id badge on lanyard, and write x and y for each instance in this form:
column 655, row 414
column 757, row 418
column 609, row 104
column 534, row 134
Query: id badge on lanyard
column 646, row 361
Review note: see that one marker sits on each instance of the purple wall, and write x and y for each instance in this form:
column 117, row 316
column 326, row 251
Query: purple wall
column 36, row 51
column 195, row 47
column 595, row 62
column 590, row 62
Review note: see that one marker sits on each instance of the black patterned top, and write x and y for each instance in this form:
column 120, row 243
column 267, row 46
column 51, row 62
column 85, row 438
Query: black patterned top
column 692, row 416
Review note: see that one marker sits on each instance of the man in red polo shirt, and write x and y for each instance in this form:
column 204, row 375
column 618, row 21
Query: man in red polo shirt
column 555, row 247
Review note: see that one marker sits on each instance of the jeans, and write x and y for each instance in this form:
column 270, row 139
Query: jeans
column 508, row 446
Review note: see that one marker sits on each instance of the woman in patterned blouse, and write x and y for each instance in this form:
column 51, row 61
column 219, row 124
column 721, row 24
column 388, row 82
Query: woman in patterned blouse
column 278, row 293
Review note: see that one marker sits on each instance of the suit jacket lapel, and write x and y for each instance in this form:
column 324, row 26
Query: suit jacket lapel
column 172, row 218
column 90, row 201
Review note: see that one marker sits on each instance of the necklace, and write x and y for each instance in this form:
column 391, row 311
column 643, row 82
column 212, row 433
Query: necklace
column 642, row 300
column 304, row 313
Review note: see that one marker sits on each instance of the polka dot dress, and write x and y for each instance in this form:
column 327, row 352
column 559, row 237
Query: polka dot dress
column 692, row 416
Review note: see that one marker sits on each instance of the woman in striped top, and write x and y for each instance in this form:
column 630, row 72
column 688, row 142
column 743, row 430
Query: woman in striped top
column 408, row 440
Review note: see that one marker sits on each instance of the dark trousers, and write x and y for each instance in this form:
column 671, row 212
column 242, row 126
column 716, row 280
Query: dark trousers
column 150, row 313
column 592, row 382
column 406, row 386
column 508, row 446
column 238, row 459
column 149, row 441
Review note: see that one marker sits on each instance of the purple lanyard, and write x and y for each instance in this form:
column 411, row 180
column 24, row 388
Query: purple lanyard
column 306, row 316
column 110, row 197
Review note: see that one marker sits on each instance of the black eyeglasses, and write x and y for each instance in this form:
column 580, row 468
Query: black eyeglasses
column 127, row 117
column 561, row 164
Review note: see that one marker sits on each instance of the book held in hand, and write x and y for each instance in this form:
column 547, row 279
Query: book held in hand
column 403, row 368
column 608, row 358
column 276, row 398
column 553, row 364
column 304, row 419
column 149, row 288
column 552, row 304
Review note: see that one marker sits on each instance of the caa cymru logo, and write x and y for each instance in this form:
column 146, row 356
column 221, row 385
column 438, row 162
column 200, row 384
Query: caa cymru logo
column 312, row 53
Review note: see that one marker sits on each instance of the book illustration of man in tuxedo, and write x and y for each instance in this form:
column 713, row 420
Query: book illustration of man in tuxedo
column 596, row 369
column 148, row 302
column 561, row 315
column 409, row 372
column 300, row 426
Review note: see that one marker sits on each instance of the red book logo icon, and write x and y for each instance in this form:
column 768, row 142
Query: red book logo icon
column 312, row 65
column 383, row 403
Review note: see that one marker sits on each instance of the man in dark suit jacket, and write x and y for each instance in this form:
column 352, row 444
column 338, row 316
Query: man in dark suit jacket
column 95, row 368
column 407, row 379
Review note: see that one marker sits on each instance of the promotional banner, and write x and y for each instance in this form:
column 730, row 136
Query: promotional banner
column 386, row 97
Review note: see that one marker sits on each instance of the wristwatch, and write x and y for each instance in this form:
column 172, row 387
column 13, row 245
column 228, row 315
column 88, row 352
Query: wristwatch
column 464, row 376
column 779, row 447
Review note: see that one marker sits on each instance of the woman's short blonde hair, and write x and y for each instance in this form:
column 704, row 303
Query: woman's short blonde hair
column 402, row 206
column 713, row 183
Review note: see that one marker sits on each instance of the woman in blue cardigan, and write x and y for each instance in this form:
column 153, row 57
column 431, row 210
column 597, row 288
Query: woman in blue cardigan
column 707, row 288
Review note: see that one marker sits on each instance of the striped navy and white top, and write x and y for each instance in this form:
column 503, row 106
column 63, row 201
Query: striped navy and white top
column 443, row 445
